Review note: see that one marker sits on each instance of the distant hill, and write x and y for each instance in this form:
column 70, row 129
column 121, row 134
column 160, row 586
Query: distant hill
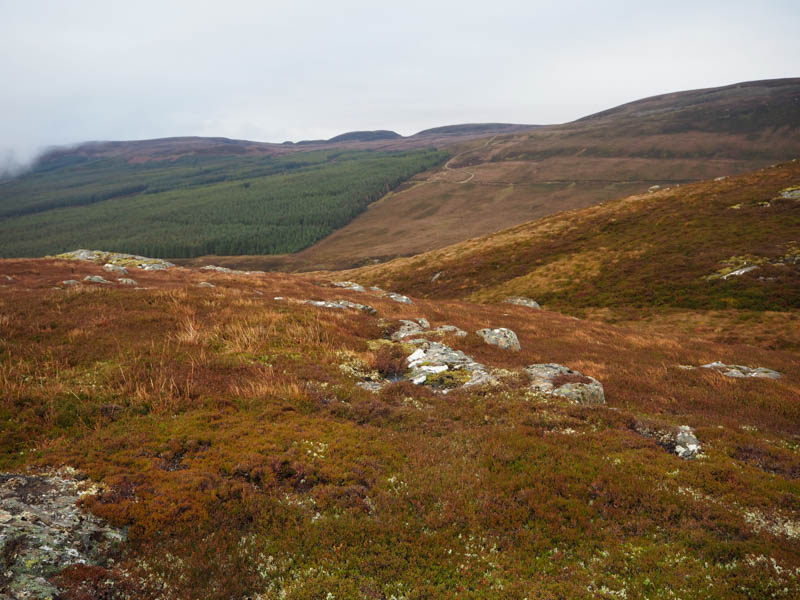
column 366, row 136
column 504, row 179
column 730, row 243
column 479, row 128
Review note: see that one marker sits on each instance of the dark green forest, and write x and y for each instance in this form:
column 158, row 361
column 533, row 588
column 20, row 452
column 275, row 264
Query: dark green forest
column 198, row 204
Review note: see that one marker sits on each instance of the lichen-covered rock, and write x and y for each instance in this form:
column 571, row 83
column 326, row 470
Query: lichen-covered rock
column 111, row 268
column 501, row 337
column 790, row 193
column 446, row 329
column 558, row 380
column 523, row 301
column 126, row 281
column 433, row 358
column 70, row 282
column 686, row 444
column 42, row 531
column 95, row 279
column 342, row 304
column 740, row 371
column 399, row 298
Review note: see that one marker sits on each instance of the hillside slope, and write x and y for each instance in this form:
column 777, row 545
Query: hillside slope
column 249, row 444
column 505, row 180
column 679, row 247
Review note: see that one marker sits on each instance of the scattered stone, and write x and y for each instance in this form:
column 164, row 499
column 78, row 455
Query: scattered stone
column 523, row 301
column 42, row 531
column 722, row 178
column 445, row 329
column 653, row 188
column 680, row 440
column 740, row 371
column 409, row 328
column 349, row 285
column 278, row 298
column 501, row 337
column 399, row 298
column 558, row 380
column 205, row 284
column 371, row 386
column 341, row 304
column 8, row 277
column 70, row 282
column 115, row 269
column 436, row 276
column 424, row 322
column 126, row 281
column 95, row 279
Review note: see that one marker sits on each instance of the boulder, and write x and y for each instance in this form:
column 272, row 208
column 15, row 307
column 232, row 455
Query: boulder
column 126, row 281
column 206, row 284
column 399, row 298
column 436, row 359
column 558, row 380
column 501, row 337
column 523, row 301
column 70, row 282
column 679, row 440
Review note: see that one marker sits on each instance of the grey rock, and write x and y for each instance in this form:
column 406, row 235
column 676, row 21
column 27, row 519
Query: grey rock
column 349, row 285
column 342, row 304
column 95, row 279
column 436, row 276
column 126, row 281
column 407, row 329
column 399, row 298
column 791, row 193
column 558, row 380
column 740, row 271
column 115, row 269
column 70, row 282
column 153, row 267
column 206, row 284
column 686, row 444
column 501, row 337
column 424, row 322
column 445, row 329
column 116, row 258
column 42, row 531
column 523, row 301
column 740, row 371
column 371, row 386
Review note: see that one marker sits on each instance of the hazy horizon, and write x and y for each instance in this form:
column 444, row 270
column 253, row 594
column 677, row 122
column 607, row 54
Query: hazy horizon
column 269, row 72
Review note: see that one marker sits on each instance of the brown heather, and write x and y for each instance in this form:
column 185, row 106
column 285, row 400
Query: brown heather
column 246, row 463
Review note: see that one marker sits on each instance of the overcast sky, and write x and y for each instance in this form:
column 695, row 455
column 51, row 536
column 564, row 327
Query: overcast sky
column 270, row 71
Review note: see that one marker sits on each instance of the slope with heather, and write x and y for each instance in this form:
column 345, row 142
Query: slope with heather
column 680, row 247
column 219, row 418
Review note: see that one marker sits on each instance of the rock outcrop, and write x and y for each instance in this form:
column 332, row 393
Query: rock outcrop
column 42, row 531
column 95, row 279
column 558, row 380
column 342, row 304
column 679, row 440
column 436, row 359
column 523, row 301
column 117, row 258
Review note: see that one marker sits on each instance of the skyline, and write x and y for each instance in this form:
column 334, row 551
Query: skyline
column 267, row 72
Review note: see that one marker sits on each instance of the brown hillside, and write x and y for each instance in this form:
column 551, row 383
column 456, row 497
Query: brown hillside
column 671, row 248
column 505, row 180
